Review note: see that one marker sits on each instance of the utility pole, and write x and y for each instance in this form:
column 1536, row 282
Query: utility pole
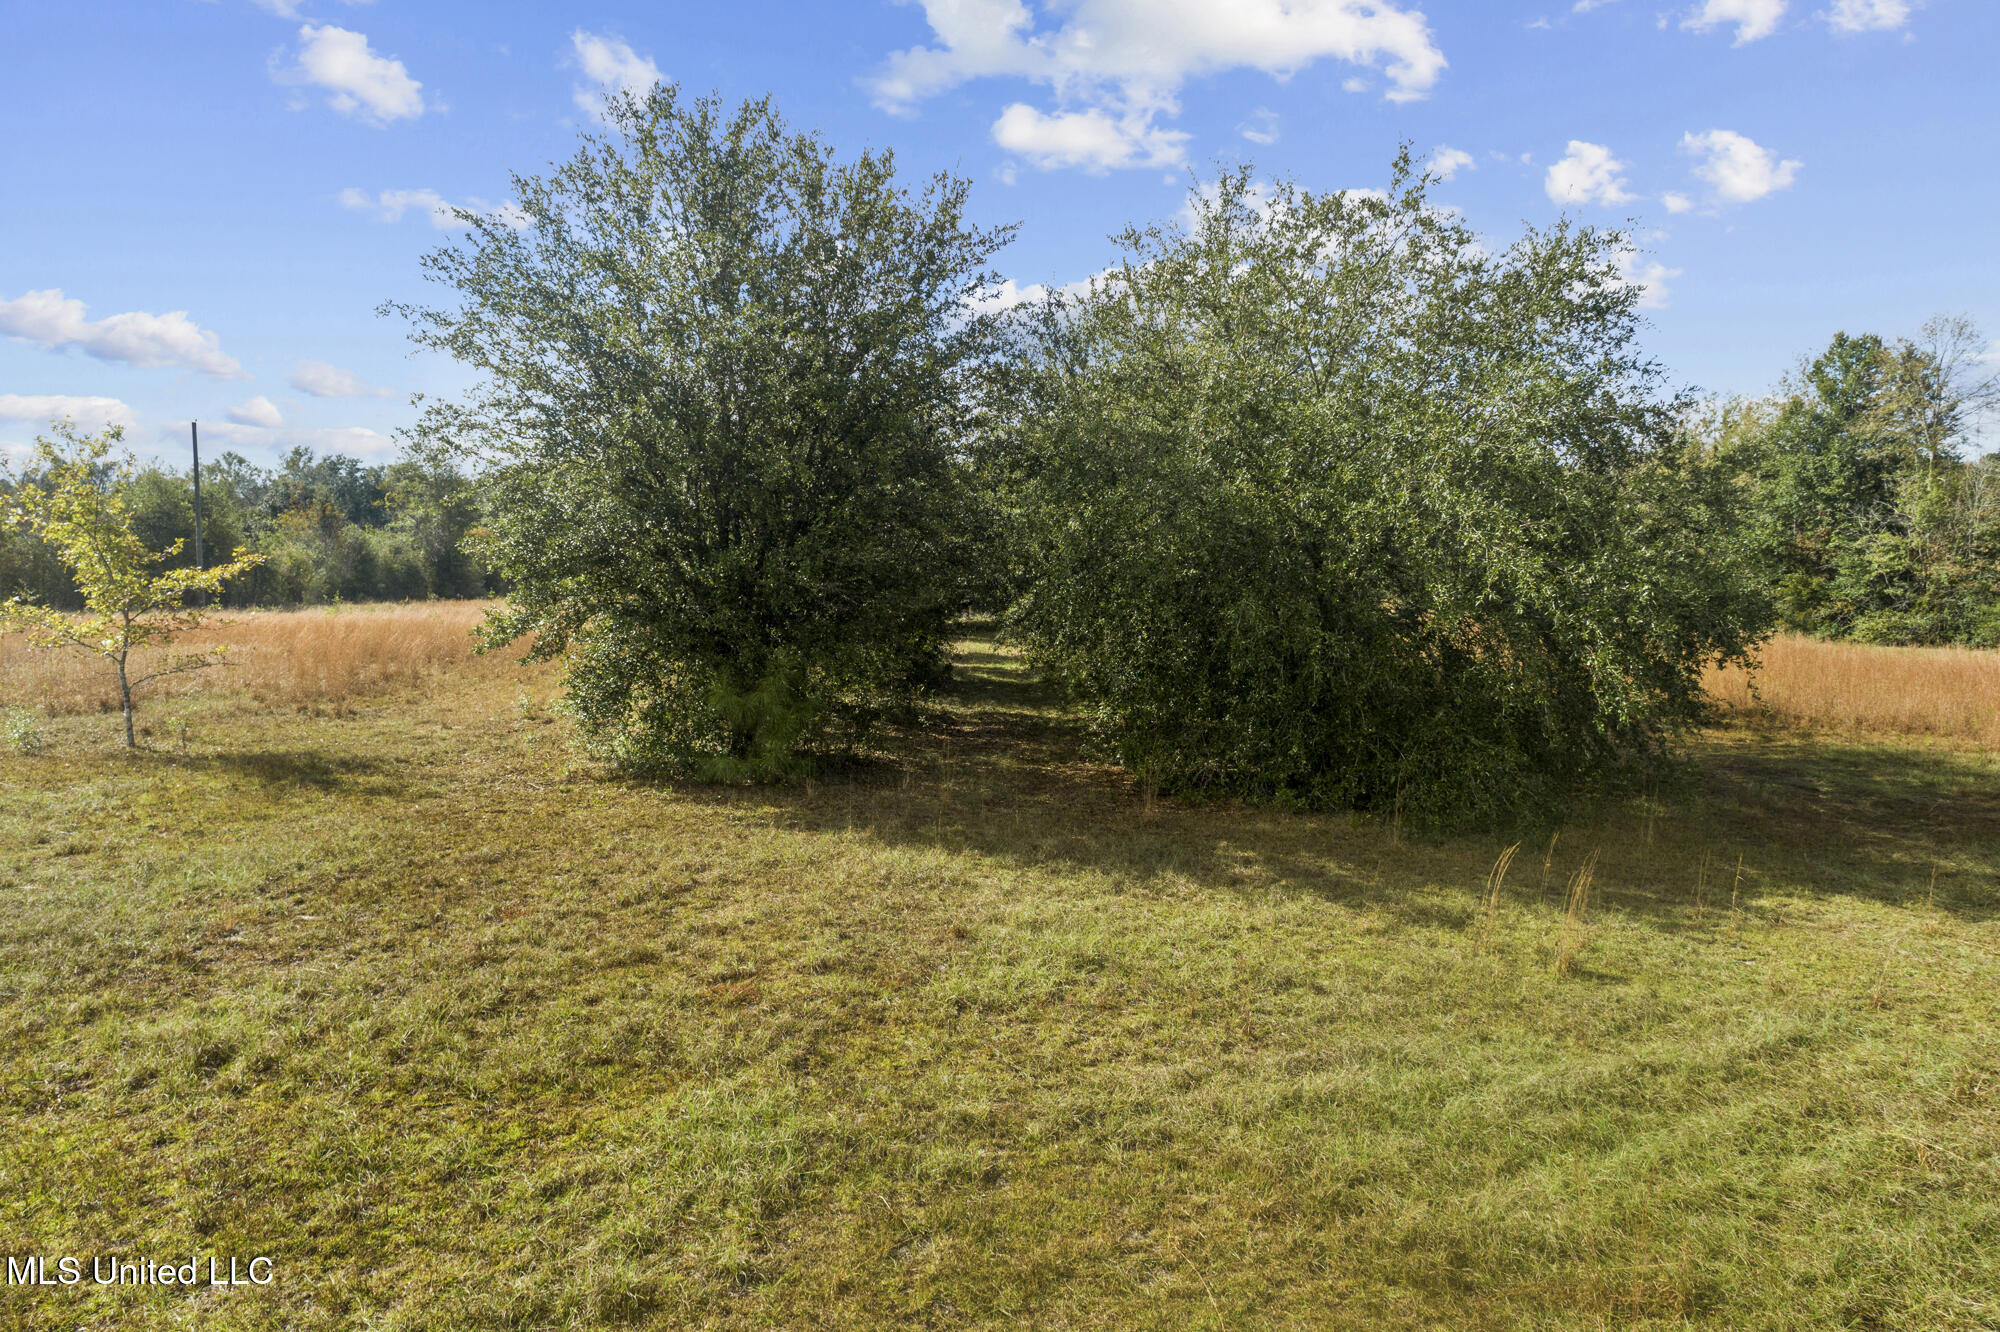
column 194, row 430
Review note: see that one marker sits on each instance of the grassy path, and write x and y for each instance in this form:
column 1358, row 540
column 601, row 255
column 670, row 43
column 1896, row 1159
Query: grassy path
column 974, row 1035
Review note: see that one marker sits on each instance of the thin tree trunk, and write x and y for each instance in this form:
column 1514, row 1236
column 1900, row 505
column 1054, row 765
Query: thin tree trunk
column 125, row 689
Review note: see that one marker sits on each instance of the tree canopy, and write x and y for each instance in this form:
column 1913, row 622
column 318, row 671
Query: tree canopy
column 1318, row 499
column 722, row 380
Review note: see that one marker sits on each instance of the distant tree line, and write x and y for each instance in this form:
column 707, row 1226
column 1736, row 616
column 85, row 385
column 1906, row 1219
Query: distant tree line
column 1866, row 518
column 327, row 529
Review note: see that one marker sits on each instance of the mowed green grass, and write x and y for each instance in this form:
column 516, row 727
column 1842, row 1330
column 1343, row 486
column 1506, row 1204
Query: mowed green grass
column 973, row 1034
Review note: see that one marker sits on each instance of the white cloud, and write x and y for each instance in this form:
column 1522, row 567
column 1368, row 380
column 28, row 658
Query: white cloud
column 1155, row 45
column 89, row 413
column 1261, row 127
column 1650, row 277
column 613, row 66
column 1868, row 15
column 1119, row 64
column 1585, row 6
column 369, row 87
column 1588, row 174
column 330, row 381
column 1010, row 293
column 355, row 441
column 259, row 411
column 1006, row 296
column 1355, row 85
column 1753, row 18
column 1097, row 281
column 1676, row 202
column 289, row 9
column 1090, row 139
column 1739, row 169
column 391, row 205
column 1448, row 162
column 136, row 338
column 1257, row 198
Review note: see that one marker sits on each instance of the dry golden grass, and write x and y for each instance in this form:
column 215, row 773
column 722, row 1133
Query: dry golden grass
column 325, row 659
column 1952, row 693
column 320, row 659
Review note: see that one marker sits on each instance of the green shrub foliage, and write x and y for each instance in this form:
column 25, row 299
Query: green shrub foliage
column 1319, row 500
column 722, row 382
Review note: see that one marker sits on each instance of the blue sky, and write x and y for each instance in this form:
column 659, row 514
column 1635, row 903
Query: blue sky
column 205, row 200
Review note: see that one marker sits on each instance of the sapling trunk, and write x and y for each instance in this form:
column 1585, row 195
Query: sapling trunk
column 125, row 694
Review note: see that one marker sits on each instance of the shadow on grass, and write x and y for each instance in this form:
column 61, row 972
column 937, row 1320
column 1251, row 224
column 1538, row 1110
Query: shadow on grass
column 1002, row 772
column 306, row 769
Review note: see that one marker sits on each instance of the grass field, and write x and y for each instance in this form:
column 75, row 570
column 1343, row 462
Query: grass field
column 972, row 1034
column 1948, row 693
column 318, row 661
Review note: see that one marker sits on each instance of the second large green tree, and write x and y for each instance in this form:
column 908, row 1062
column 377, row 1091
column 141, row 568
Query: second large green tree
column 1317, row 498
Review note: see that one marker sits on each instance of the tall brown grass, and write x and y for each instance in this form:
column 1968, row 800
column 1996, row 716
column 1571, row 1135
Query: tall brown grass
column 323, row 658
column 328, row 658
column 1952, row 693
column 1576, row 915
column 1495, row 877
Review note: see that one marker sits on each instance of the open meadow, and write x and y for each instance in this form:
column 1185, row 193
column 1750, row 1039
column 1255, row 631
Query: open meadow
column 356, row 965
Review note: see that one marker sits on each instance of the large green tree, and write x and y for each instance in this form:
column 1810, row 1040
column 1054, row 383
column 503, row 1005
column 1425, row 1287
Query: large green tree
column 1319, row 499
column 722, row 374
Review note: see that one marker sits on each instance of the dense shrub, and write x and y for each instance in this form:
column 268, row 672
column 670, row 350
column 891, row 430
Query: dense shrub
column 722, row 385
column 1320, row 501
